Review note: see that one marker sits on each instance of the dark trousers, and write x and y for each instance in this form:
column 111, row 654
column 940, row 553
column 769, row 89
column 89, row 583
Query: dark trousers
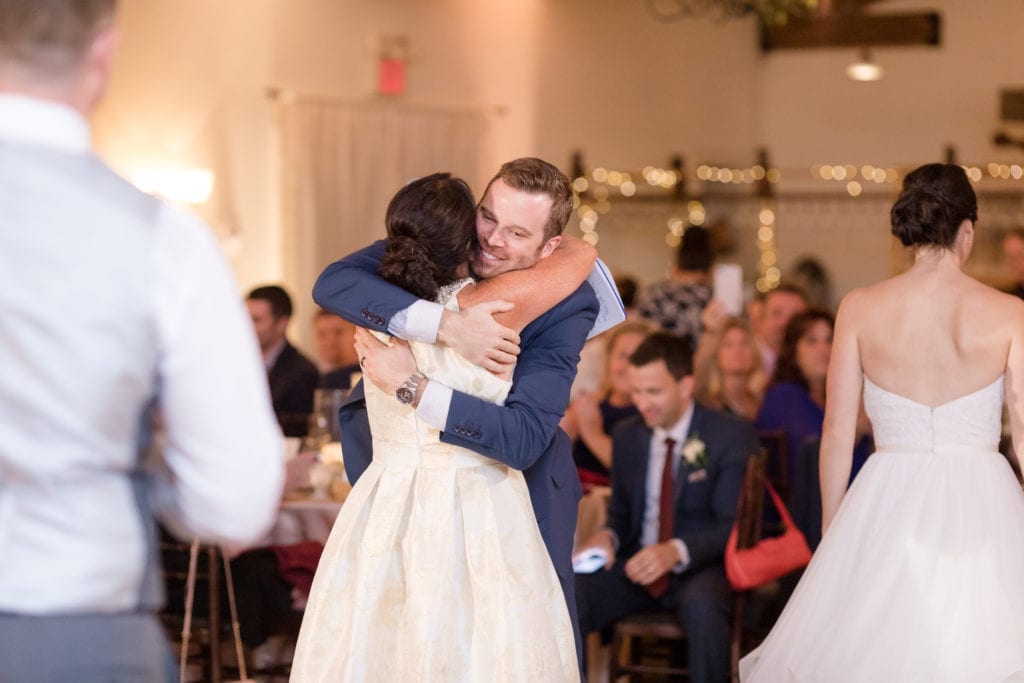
column 126, row 648
column 568, row 589
column 268, row 607
column 701, row 600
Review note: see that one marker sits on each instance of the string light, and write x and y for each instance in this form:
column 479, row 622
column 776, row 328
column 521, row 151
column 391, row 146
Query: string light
column 767, row 270
column 596, row 191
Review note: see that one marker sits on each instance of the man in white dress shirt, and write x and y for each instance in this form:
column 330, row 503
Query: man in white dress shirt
column 114, row 306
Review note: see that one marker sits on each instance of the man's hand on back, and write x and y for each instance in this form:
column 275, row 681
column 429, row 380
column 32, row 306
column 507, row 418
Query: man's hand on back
column 475, row 335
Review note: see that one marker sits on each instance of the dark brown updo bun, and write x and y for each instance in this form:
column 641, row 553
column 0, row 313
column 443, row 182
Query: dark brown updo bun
column 431, row 223
column 935, row 200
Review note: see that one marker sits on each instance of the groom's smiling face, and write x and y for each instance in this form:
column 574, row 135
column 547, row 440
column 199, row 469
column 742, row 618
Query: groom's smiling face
column 510, row 227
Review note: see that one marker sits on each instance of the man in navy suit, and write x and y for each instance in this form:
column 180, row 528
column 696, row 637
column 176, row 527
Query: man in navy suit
column 677, row 471
column 292, row 377
column 519, row 221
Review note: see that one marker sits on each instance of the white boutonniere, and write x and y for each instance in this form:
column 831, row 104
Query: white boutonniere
column 695, row 453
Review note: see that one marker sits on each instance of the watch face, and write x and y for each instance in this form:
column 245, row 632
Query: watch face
column 405, row 395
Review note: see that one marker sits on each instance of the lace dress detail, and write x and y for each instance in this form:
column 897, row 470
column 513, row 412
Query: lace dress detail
column 918, row 578
column 900, row 424
column 435, row 569
column 445, row 294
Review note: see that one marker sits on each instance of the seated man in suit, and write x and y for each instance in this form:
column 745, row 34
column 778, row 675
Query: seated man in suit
column 669, row 517
column 293, row 377
column 335, row 350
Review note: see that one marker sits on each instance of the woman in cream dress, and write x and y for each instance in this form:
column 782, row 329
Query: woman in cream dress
column 435, row 569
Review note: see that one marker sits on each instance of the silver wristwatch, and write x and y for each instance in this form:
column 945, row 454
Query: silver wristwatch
column 406, row 393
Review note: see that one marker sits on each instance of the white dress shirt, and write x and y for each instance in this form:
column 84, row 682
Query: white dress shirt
column 111, row 302
column 655, row 468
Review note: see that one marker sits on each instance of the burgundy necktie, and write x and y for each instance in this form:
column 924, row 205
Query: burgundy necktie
column 665, row 510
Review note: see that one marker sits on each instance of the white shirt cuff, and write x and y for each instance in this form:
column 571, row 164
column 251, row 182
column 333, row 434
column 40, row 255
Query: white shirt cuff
column 419, row 322
column 434, row 405
column 684, row 556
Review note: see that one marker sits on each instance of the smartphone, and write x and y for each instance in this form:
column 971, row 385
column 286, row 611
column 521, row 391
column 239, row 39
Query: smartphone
column 727, row 286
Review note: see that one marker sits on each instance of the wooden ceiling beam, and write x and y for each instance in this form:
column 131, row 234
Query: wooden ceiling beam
column 857, row 30
column 841, row 7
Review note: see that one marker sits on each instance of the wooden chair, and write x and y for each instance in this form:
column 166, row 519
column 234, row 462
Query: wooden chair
column 207, row 625
column 775, row 443
column 652, row 644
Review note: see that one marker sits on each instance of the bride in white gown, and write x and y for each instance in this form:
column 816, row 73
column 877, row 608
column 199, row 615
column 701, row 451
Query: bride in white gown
column 435, row 569
column 918, row 577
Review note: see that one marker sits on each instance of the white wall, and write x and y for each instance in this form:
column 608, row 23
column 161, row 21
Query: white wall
column 187, row 91
column 930, row 97
column 190, row 80
column 601, row 76
column 629, row 91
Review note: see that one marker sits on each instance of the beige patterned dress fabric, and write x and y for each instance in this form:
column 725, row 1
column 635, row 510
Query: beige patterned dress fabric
column 435, row 569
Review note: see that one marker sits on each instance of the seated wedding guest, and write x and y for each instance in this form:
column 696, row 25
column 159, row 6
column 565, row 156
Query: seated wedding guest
column 115, row 305
column 335, row 350
column 592, row 415
column 1013, row 258
column 677, row 471
column 810, row 275
column 590, row 370
column 627, row 286
column 675, row 304
column 727, row 370
column 292, row 377
column 769, row 316
column 795, row 404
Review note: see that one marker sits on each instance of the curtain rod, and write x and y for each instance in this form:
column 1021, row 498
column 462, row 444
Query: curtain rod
column 286, row 96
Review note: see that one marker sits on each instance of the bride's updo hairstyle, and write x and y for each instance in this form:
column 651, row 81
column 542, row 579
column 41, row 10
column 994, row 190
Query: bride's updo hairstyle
column 935, row 200
column 430, row 223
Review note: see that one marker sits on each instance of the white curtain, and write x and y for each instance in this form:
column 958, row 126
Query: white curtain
column 341, row 162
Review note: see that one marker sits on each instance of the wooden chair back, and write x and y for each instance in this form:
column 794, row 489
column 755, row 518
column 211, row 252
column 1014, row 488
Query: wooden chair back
column 775, row 443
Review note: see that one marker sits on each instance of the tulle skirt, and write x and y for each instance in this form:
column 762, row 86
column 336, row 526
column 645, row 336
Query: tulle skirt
column 920, row 578
column 436, row 574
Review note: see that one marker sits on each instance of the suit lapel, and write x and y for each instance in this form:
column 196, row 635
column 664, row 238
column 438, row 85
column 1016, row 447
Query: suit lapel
column 643, row 440
column 684, row 469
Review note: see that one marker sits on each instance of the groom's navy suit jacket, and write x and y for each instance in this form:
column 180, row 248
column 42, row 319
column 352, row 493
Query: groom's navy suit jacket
column 705, row 498
column 523, row 434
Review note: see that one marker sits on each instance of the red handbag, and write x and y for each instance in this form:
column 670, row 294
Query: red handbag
column 771, row 557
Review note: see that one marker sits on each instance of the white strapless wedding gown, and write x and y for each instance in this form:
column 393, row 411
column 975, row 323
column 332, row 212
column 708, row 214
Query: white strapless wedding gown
column 920, row 577
column 435, row 569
